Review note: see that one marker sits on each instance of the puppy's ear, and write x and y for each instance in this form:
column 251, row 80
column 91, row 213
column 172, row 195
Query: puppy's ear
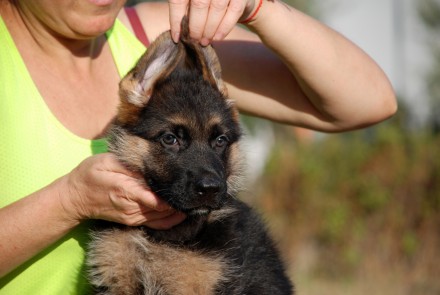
column 136, row 88
column 213, row 68
column 163, row 57
column 203, row 58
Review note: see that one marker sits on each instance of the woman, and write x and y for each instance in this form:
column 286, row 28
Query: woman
column 61, row 62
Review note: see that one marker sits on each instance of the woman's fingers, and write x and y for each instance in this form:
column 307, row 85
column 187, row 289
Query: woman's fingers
column 208, row 19
column 197, row 16
column 230, row 19
column 151, row 218
column 139, row 206
column 166, row 222
column 134, row 207
column 178, row 9
column 102, row 188
column 132, row 191
column 216, row 13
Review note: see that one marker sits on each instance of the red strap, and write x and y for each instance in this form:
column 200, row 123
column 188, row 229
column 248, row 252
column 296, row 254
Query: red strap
column 136, row 25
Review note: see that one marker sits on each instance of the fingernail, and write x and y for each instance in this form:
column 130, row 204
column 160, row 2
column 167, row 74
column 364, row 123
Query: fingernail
column 176, row 37
column 205, row 42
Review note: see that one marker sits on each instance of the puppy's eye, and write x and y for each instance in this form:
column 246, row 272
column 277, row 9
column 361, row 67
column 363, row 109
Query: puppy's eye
column 168, row 139
column 221, row 141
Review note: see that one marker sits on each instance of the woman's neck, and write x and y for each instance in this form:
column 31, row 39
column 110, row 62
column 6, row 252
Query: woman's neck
column 29, row 32
column 77, row 78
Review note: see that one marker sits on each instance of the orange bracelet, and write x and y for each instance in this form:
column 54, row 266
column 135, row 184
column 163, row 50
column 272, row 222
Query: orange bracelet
column 252, row 16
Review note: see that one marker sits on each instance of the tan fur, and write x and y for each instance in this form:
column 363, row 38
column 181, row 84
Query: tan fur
column 236, row 161
column 128, row 113
column 137, row 87
column 234, row 109
column 186, row 121
column 218, row 215
column 131, row 149
column 161, row 268
column 213, row 66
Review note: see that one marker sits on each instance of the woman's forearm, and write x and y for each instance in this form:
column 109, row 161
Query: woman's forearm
column 332, row 85
column 31, row 224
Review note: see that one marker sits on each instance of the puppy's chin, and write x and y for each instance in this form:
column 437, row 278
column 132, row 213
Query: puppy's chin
column 199, row 211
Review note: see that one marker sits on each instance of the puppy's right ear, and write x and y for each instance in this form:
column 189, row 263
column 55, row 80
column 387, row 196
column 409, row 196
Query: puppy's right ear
column 137, row 86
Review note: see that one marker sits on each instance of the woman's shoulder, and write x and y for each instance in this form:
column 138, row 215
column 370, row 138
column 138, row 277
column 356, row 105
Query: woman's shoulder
column 154, row 17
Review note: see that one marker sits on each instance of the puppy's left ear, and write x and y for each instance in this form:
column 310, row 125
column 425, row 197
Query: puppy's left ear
column 203, row 58
column 136, row 88
column 213, row 70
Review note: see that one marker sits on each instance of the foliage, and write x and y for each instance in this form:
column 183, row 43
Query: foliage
column 362, row 208
column 429, row 11
column 363, row 198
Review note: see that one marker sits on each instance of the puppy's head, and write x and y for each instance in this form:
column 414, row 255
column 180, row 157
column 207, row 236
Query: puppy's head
column 176, row 126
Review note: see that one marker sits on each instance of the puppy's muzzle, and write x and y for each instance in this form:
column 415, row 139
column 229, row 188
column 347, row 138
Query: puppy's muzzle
column 209, row 193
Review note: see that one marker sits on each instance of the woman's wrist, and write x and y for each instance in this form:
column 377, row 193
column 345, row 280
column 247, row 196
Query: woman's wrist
column 251, row 13
column 69, row 214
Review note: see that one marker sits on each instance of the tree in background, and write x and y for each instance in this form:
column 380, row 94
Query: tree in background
column 359, row 212
column 429, row 11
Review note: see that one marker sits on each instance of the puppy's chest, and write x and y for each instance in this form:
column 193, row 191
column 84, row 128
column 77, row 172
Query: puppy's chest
column 142, row 266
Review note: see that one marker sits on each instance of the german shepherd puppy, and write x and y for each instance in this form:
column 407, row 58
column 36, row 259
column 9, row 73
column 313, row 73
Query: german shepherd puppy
column 178, row 129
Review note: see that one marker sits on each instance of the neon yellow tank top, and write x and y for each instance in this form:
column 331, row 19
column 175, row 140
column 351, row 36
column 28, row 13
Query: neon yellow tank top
column 35, row 149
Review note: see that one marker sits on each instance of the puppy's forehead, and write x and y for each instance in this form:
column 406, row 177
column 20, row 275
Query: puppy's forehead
column 197, row 127
column 195, row 121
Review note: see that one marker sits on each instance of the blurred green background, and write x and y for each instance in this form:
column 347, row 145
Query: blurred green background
column 359, row 212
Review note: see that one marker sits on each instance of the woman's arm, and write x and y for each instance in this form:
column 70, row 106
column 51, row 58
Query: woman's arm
column 30, row 225
column 303, row 73
column 99, row 188
column 320, row 80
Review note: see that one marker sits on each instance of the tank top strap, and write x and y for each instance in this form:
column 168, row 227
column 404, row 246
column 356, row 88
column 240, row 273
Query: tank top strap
column 136, row 24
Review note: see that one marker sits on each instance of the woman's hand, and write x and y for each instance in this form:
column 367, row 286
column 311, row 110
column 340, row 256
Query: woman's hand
column 101, row 188
column 208, row 19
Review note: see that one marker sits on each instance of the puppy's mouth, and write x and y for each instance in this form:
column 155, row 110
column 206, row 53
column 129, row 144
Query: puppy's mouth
column 197, row 207
column 201, row 210
column 195, row 210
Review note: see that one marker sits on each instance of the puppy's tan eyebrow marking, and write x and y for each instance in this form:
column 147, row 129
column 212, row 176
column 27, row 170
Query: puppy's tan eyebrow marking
column 180, row 120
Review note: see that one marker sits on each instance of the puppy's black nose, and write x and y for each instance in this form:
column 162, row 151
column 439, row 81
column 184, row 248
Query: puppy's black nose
column 208, row 186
